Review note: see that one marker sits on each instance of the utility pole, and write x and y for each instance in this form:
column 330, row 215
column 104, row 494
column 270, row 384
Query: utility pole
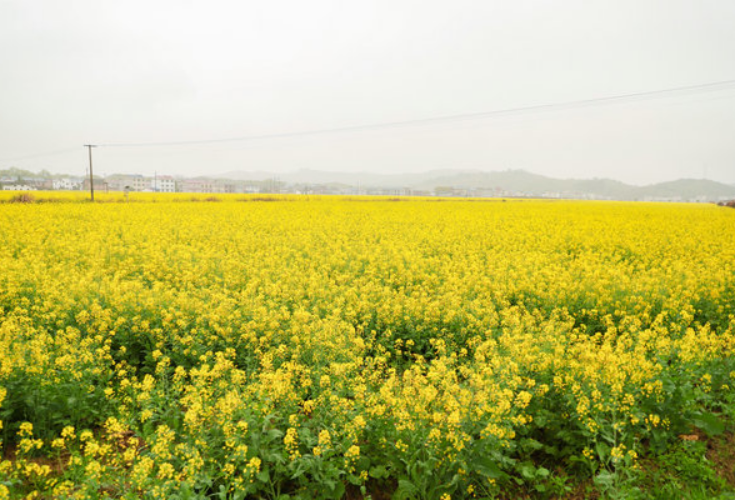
column 91, row 176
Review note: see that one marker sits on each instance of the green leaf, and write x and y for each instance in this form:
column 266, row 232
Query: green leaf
column 709, row 423
column 531, row 444
column 363, row 463
column 354, row 480
column 299, row 472
column 405, row 491
column 605, row 479
column 339, row 490
column 528, row 471
column 540, row 420
column 223, row 491
column 263, row 476
column 378, row 472
column 487, row 467
column 275, row 434
column 603, row 450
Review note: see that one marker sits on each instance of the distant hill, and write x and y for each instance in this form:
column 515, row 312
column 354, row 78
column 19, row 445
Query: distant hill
column 367, row 179
column 239, row 175
column 508, row 182
column 531, row 184
column 689, row 189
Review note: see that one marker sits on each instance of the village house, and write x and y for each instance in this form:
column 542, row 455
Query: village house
column 163, row 184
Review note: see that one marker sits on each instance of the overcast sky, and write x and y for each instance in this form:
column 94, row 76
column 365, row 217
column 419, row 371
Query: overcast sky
column 122, row 72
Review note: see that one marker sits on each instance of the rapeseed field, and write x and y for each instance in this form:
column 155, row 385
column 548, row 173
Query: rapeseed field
column 308, row 347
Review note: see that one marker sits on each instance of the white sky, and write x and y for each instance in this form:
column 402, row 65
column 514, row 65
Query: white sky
column 98, row 71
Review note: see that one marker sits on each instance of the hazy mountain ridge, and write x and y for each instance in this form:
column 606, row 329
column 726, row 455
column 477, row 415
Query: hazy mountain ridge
column 508, row 182
column 309, row 176
column 690, row 188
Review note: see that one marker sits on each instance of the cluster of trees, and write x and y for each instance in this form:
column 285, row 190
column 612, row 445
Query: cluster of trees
column 20, row 174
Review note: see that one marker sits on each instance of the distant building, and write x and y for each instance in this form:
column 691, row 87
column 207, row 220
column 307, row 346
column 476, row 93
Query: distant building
column 197, row 186
column 134, row 182
column 45, row 184
column 247, row 187
column 118, row 182
column 66, row 183
column 19, row 187
column 99, row 184
column 233, row 186
column 163, row 184
column 139, row 183
column 674, row 199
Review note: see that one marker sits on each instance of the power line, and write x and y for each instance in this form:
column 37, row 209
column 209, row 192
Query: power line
column 40, row 155
column 637, row 96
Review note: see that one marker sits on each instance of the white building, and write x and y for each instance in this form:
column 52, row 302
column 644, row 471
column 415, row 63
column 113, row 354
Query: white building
column 163, row 184
column 66, row 183
column 135, row 182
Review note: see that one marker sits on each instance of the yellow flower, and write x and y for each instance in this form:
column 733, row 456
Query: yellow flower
column 25, row 429
column 291, row 442
column 325, row 439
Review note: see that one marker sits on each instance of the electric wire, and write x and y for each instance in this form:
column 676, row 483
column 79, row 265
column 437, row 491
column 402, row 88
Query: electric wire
column 39, row 155
column 621, row 98
column 582, row 103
